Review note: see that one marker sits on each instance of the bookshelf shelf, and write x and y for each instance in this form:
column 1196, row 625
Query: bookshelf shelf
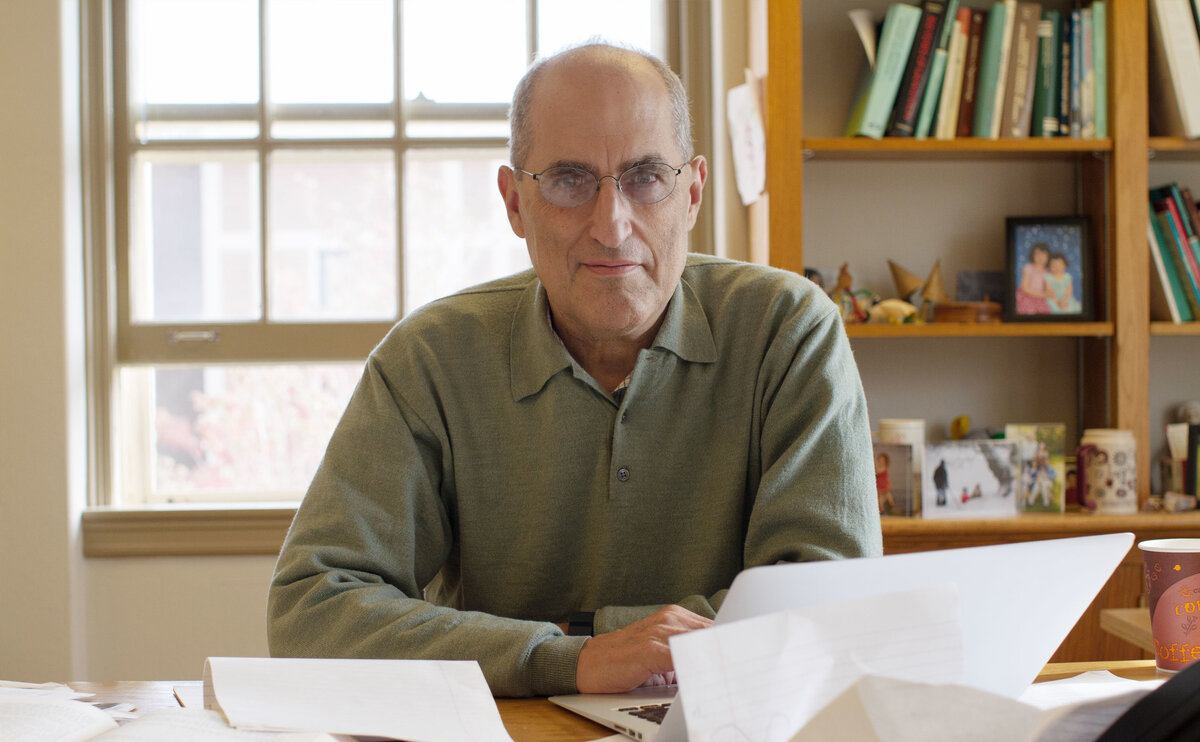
column 994, row 329
column 1174, row 146
column 966, row 149
column 1170, row 328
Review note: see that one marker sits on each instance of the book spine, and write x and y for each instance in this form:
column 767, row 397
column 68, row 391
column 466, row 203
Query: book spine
column 1003, row 84
column 1191, row 476
column 965, row 125
column 1183, row 56
column 989, row 72
column 1087, row 78
column 1177, row 241
column 947, row 117
column 1100, row 64
column 899, row 30
column 1045, row 95
column 1076, row 119
column 1022, row 68
column 917, row 71
column 932, row 98
column 1165, row 301
column 1064, row 78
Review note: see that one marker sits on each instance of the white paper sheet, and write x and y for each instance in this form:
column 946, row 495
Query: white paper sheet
column 763, row 678
column 747, row 141
column 415, row 700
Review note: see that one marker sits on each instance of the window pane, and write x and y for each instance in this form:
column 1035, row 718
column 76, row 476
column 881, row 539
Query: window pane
column 332, row 235
column 225, row 432
column 188, row 52
column 637, row 22
column 195, row 252
column 463, row 53
column 456, row 231
column 330, row 51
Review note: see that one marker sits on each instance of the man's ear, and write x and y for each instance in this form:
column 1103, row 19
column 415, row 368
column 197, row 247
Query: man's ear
column 699, row 170
column 506, row 179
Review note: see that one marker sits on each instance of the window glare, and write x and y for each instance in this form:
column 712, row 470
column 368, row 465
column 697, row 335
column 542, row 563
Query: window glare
column 194, row 51
column 565, row 22
column 330, row 51
column 477, row 57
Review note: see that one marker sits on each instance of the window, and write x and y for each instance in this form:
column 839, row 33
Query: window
column 291, row 177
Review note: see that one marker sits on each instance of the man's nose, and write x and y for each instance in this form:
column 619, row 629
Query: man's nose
column 610, row 214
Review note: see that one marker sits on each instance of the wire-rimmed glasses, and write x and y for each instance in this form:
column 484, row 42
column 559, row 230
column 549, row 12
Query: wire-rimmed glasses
column 568, row 187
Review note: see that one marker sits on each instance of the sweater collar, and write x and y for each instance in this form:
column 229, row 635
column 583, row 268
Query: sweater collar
column 538, row 354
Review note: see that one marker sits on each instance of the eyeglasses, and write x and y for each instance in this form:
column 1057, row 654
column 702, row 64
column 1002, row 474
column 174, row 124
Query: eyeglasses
column 643, row 184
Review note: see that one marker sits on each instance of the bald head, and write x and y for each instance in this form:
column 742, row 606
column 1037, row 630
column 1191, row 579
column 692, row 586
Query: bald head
column 586, row 63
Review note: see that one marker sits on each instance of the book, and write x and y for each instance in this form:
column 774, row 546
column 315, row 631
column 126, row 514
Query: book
column 1022, row 69
column 931, row 101
column 1087, row 77
column 1044, row 121
column 870, row 114
column 917, row 70
column 1075, row 95
column 1175, row 243
column 970, row 84
column 1167, row 300
column 1174, row 69
column 1191, row 229
column 993, row 59
column 951, row 94
column 1100, row 67
column 1064, row 83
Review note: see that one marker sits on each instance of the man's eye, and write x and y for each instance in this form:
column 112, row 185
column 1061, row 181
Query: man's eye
column 569, row 180
column 643, row 176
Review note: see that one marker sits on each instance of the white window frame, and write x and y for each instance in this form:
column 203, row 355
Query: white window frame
column 115, row 341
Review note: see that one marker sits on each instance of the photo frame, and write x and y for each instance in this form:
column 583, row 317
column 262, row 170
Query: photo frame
column 1049, row 269
column 1041, row 447
column 970, row 479
column 895, row 479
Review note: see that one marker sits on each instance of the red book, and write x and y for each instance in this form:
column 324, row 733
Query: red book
column 966, row 101
column 916, row 74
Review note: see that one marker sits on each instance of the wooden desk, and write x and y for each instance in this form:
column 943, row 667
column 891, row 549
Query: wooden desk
column 1131, row 624
column 536, row 719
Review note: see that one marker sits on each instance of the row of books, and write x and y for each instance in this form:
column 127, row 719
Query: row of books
column 1012, row 71
column 1175, row 68
column 1174, row 236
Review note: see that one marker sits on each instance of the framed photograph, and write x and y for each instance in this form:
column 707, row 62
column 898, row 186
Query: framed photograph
column 1049, row 269
column 970, row 479
column 1041, row 448
column 895, row 479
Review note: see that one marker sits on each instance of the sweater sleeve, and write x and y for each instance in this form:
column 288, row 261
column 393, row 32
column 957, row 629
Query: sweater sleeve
column 373, row 530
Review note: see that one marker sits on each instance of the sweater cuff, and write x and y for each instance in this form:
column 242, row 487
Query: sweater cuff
column 552, row 665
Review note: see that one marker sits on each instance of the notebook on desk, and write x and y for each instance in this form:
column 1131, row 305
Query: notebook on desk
column 1018, row 602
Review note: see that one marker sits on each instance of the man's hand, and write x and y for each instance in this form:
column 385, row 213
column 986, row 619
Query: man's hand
column 637, row 655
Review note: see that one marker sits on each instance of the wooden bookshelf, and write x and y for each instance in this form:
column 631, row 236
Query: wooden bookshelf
column 994, row 329
column 1113, row 190
column 1170, row 328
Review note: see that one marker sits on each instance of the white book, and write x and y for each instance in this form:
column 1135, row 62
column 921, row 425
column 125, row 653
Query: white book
column 1174, row 69
column 952, row 87
column 1002, row 81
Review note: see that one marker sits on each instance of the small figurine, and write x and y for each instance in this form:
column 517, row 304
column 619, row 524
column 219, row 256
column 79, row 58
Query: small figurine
column 893, row 311
column 855, row 305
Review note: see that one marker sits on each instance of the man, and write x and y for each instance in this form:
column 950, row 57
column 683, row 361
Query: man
column 612, row 436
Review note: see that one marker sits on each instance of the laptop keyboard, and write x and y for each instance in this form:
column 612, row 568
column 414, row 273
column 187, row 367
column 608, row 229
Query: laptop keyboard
column 652, row 712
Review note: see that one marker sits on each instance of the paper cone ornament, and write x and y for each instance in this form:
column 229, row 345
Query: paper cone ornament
column 933, row 290
column 906, row 283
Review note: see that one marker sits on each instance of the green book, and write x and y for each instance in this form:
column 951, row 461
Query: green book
column 1100, row 66
column 990, row 69
column 937, row 73
column 1046, row 88
column 872, row 112
column 1178, row 307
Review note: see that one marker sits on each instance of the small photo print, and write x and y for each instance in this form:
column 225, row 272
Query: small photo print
column 970, row 479
column 1041, row 448
column 895, row 479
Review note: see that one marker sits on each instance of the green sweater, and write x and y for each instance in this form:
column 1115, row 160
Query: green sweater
column 481, row 486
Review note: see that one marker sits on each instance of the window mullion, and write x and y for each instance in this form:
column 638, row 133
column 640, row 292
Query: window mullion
column 263, row 163
column 400, row 144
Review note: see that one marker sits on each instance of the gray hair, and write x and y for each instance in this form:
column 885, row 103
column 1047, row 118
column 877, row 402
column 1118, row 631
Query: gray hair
column 520, row 138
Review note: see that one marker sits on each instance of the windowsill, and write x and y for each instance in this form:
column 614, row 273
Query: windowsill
column 186, row 530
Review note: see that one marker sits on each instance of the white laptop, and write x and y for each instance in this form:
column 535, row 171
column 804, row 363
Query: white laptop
column 1017, row 601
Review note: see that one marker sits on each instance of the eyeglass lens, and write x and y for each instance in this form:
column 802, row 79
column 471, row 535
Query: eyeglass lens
column 641, row 184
